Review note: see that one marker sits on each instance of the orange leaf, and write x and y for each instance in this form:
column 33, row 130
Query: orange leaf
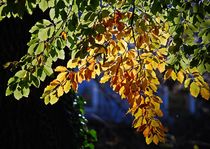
column 205, row 93
column 155, row 139
column 167, row 74
column 146, row 131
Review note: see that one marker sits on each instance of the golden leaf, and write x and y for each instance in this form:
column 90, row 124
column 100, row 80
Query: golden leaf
column 64, row 35
column 105, row 78
column 155, row 139
column 80, row 77
column 187, row 82
column 180, row 76
column 148, row 67
column 60, row 91
column 162, row 51
column 53, row 99
column 73, row 63
column 167, row 74
column 205, row 93
column 154, row 123
column 173, row 75
column 159, row 112
column 54, row 82
column 61, row 76
column 194, row 89
column 67, row 86
column 139, row 121
column 149, row 139
column 60, row 69
column 97, row 69
column 121, row 91
column 47, row 100
column 161, row 67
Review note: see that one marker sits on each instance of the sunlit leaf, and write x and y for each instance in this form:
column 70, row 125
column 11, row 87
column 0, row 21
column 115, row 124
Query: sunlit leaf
column 53, row 99
column 104, row 79
column 67, row 86
column 194, row 89
column 205, row 93
column 60, row 69
column 187, row 82
column 155, row 139
column 180, row 76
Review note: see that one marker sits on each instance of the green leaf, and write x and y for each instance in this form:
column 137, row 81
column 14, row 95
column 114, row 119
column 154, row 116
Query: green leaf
column 40, row 48
column 50, row 31
column 48, row 70
column 61, row 54
column 21, row 73
column 51, row 3
column 26, row 92
column 35, row 81
column 32, row 48
column 43, row 5
column 8, row 91
column 207, row 67
column 105, row 13
column 75, row 8
column 43, row 34
column 17, row 94
column 52, row 13
column 201, row 68
column 93, row 134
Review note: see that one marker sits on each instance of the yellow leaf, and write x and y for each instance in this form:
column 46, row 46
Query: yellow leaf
column 154, row 123
column 105, row 78
column 53, row 99
column 47, row 99
column 60, row 69
column 149, row 139
column 159, row 112
column 162, row 51
column 73, row 63
column 180, row 76
column 60, row 91
column 121, row 91
column 155, row 139
column 153, row 87
column 205, row 93
column 187, row 82
column 138, row 123
column 67, row 86
column 61, row 76
column 148, row 66
column 194, row 89
column 97, row 69
column 166, row 26
column 173, row 75
column 161, row 67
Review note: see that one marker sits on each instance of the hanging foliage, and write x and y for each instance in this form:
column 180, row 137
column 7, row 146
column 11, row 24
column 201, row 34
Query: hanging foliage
column 127, row 43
